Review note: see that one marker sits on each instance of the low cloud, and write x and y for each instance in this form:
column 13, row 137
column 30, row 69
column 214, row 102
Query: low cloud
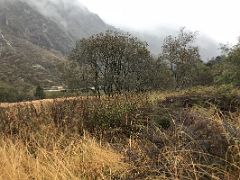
column 55, row 8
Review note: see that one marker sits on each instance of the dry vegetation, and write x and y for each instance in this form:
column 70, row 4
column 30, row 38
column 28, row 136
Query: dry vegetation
column 179, row 135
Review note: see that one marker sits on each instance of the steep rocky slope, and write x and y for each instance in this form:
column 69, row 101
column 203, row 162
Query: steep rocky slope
column 33, row 43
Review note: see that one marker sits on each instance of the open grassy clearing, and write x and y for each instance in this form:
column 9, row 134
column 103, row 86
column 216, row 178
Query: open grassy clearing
column 191, row 134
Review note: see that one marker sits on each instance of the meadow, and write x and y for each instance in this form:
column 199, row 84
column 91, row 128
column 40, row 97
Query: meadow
column 187, row 134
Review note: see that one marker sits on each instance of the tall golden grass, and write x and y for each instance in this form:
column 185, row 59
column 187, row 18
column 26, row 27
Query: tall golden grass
column 190, row 134
column 77, row 160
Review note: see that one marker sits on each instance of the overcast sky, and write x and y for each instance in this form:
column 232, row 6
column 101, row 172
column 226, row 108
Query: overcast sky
column 217, row 18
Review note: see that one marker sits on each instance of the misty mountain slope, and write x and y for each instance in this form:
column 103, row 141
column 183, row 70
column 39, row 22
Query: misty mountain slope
column 48, row 24
column 208, row 47
column 26, row 41
column 20, row 20
column 32, row 43
column 75, row 19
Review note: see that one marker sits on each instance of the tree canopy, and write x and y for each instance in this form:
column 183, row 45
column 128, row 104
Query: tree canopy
column 112, row 61
column 182, row 55
column 116, row 62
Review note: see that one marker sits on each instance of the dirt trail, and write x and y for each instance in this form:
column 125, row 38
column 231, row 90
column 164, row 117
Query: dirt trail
column 36, row 102
column 44, row 101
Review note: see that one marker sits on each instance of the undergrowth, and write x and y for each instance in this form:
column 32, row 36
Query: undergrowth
column 191, row 134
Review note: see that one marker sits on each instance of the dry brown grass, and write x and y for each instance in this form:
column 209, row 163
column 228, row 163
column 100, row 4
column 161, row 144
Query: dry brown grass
column 78, row 160
column 145, row 136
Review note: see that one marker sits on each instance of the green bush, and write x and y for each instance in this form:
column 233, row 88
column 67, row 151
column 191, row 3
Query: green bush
column 8, row 93
column 39, row 93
